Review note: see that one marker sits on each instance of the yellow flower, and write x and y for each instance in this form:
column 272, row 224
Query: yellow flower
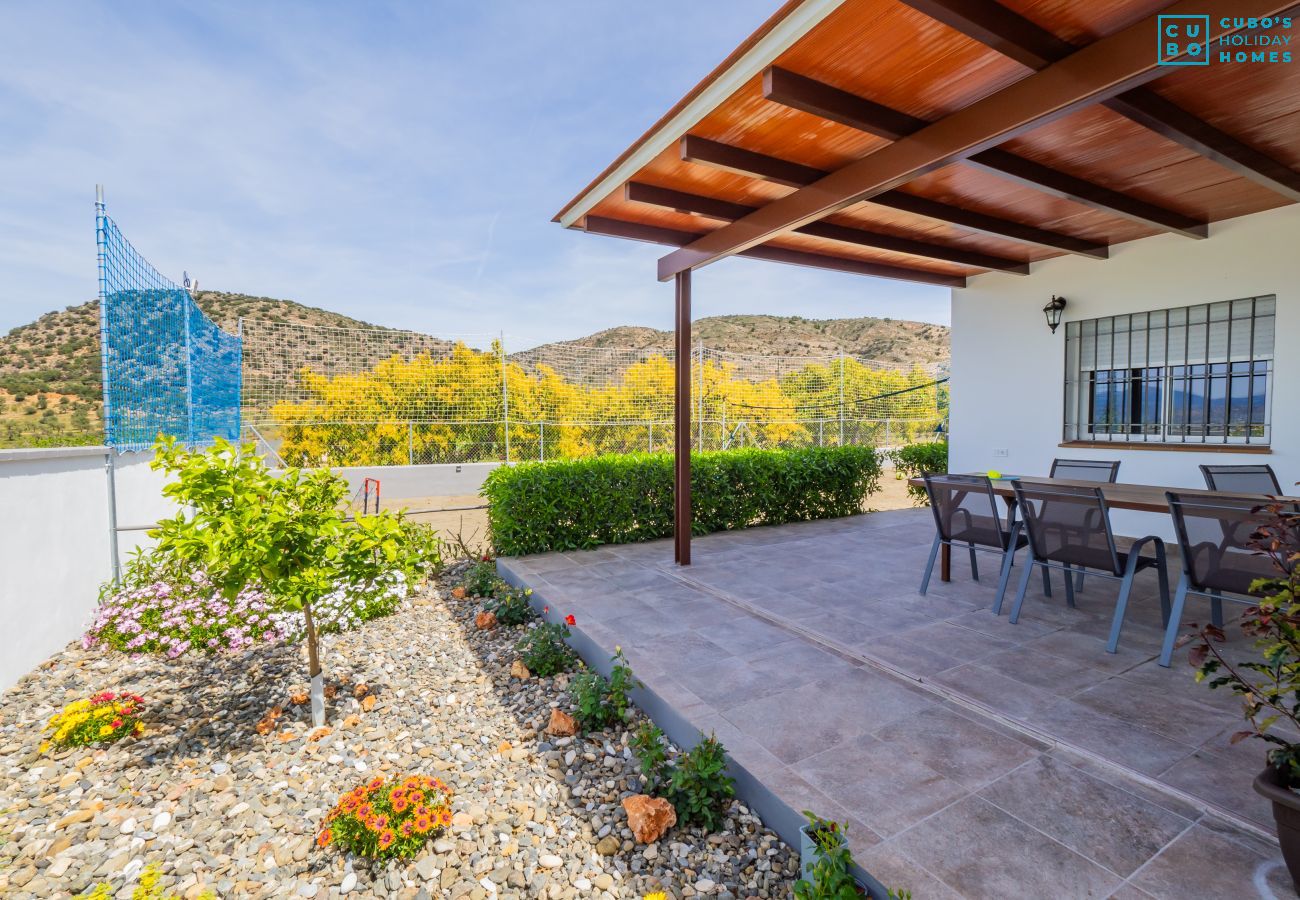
column 105, row 730
column 657, row 895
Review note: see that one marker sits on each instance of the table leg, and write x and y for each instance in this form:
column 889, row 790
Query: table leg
column 945, row 562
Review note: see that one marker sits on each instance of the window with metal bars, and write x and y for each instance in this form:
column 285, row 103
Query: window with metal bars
column 1190, row 375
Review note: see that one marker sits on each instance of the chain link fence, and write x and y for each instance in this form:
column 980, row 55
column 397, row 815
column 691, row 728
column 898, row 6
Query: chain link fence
column 377, row 396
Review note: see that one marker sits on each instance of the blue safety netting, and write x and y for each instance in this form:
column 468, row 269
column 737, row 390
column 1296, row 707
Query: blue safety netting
column 168, row 368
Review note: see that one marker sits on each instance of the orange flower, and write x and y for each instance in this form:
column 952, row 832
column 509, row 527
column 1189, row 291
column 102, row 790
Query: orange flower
column 364, row 811
column 416, row 797
column 444, row 817
column 381, row 821
column 323, row 839
column 375, row 784
column 386, row 839
column 400, row 804
column 407, row 829
column 423, row 823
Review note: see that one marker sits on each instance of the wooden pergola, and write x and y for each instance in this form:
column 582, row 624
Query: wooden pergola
column 935, row 140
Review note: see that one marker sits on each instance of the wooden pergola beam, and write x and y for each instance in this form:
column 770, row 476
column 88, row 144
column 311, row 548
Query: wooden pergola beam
column 1107, row 67
column 673, row 237
column 779, row 171
column 1015, row 36
column 829, row 102
column 727, row 211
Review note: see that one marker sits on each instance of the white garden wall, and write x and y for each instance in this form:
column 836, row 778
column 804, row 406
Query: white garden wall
column 55, row 551
column 1008, row 369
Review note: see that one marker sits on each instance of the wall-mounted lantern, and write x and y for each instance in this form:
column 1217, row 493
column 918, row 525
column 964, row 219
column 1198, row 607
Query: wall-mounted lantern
column 1053, row 311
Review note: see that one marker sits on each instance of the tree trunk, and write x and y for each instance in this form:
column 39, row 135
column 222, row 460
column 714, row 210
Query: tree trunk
column 314, row 671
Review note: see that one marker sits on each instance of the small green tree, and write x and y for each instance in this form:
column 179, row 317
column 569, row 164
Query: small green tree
column 242, row 524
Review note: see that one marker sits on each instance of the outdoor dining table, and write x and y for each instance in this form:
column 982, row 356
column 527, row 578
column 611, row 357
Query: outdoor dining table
column 1140, row 497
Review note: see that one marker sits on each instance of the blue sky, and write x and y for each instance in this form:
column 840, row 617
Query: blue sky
column 396, row 162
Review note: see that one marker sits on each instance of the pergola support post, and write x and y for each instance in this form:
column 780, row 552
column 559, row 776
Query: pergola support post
column 682, row 423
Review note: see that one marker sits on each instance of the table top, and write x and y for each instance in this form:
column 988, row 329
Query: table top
column 1119, row 495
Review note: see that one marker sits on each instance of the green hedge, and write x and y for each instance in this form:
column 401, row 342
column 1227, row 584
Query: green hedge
column 583, row 503
column 915, row 459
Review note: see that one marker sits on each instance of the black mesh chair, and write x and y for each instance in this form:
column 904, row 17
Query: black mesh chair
column 966, row 514
column 1256, row 479
column 1069, row 528
column 1216, row 537
column 1085, row 469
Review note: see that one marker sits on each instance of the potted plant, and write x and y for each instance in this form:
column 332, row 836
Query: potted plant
column 816, row 834
column 1270, row 687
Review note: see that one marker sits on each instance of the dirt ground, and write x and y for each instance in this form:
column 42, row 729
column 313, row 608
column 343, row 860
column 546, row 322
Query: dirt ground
column 465, row 518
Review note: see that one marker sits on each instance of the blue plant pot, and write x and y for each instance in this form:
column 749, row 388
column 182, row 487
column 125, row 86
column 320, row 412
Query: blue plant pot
column 808, row 851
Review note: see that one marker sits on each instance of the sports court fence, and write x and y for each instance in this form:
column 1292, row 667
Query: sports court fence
column 167, row 367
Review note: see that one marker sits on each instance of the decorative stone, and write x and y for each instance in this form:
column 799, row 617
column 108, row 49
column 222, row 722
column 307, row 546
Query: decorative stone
column 649, row 817
column 549, row 861
column 519, row 670
column 562, row 724
column 485, row 621
column 607, row 846
column 458, row 593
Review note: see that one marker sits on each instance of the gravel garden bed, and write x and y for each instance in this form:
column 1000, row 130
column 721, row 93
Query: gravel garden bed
column 229, row 786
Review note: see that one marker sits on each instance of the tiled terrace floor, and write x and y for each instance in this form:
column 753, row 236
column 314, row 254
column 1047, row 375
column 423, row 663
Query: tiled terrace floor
column 971, row 757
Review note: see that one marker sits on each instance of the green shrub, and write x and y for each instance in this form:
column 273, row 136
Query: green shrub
column 651, row 752
column 511, row 606
column 544, row 651
column 619, row 499
column 915, row 459
column 600, row 702
column 481, row 579
column 699, row 788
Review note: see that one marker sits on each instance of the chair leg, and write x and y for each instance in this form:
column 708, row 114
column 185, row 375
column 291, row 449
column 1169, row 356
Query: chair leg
column 1162, row 570
column 1004, row 576
column 1175, row 622
column 1078, row 580
column 1047, row 582
column 1121, row 604
column 929, row 566
column 1069, row 586
column 1216, row 609
column 974, row 565
column 1024, row 589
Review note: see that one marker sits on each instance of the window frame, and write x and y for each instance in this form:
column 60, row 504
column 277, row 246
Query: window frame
column 1223, row 374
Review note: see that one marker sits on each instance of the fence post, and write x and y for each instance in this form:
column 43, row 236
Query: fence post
column 101, row 252
column 699, row 403
column 114, row 556
column 505, row 394
column 410, row 443
column 841, row 398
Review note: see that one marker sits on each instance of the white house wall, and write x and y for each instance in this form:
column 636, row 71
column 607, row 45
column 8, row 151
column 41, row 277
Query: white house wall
column 1008, row 370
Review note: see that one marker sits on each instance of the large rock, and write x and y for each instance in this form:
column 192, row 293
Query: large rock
column 519, row 670
column 561, row 724
column 485, row 621
column 649, row 817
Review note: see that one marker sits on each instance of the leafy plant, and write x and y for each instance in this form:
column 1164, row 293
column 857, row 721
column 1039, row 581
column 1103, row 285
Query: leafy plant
column 651, row 752
column 511, row 606
column 544, row 649
column 582, row 503
column 481, row 579
column 104, row 718
column 698, row 786
column 600, row 702
column 242, row 527
column 1270, row 687
column 383, row 820
column 149, row 888
column 914, row 459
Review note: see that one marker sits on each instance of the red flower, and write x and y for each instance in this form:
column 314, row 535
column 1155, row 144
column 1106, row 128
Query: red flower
column 546, row 609
column 117, row 723
column 570, row 620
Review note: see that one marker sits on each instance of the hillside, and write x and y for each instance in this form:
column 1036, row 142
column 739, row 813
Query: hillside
column 50, row 368
column 891, row 341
